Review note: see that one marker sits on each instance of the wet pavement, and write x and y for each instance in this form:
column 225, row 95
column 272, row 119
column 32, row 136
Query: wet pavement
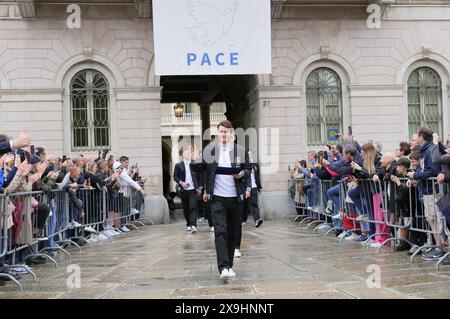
column 279, row 260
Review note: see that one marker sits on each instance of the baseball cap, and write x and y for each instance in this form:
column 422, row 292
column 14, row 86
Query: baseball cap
column 117, row 166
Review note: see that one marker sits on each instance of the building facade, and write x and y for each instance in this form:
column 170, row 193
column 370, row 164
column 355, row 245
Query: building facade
column 94, row 87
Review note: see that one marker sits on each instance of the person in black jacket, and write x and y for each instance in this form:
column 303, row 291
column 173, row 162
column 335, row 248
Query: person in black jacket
column 226, row 193
column 188, row 180
column 251, row 204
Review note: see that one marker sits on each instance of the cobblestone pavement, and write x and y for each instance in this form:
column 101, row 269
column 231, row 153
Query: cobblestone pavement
column 279, row 260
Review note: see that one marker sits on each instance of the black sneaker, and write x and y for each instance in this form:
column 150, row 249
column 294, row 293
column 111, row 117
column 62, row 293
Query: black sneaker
column 37, row 260
column 258, row 223
column 429, row 255
column 402, row 247
column 438, row 254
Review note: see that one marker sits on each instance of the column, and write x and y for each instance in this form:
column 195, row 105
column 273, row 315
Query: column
column 175, row 160
column 206, row 124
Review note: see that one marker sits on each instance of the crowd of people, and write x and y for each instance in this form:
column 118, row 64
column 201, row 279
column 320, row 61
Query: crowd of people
column 33, row 185
column 364, row 190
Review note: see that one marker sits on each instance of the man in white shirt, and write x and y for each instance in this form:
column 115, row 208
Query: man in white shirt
column 126, row 183
column 186, row 178
column 226, row 193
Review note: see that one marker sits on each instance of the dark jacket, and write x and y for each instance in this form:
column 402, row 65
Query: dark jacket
column 343, row 167
column 255, row 167
column 179, row 175
column 238, row 158
column 384, row 174
column 427, row 169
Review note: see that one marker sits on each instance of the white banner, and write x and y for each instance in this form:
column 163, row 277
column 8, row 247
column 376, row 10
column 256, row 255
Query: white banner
column 194, row 37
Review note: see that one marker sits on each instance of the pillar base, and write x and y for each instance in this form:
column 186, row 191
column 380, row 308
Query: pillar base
column 156, row 209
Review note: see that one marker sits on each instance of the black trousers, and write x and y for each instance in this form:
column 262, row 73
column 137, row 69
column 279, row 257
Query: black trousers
column 207, row 208
column 251, row 205
column 189, row 203
column 226, row 215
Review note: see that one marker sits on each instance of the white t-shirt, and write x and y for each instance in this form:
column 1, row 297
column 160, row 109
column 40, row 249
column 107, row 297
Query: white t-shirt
column 253, row 179
column 188, row 175
column 224, row 185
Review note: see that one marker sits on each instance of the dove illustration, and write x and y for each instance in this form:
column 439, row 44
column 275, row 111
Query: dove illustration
column 211, row 24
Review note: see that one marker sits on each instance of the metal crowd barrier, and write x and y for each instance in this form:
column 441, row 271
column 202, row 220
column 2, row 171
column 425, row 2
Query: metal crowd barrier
column 297, row 209
column 5, row 225
column 386, row 211
column 38, row 224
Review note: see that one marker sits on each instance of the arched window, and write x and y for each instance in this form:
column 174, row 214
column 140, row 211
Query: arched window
column 424, row 100
column 89, row 94
column 323, row 106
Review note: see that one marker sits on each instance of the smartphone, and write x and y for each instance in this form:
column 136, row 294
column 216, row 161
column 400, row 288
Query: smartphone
column 350, row 131
column 32, row 150
column 23, row 156
column 289, row 167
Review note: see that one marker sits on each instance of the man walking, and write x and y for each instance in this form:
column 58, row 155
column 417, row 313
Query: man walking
column 226, row 193
column 186, row 177
column 251, row 204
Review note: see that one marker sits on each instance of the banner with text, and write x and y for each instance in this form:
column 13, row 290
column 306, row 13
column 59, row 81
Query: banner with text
column 212, row 37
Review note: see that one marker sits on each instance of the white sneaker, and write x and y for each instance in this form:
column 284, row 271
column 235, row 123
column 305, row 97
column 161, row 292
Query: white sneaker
column 375, row 245
column 41, row 238
column 342, row 235
column 351, row 237
column 211, row 229
column 225, row 275
column 368, row 242
column 134, row 211
column 111, row 232
column 324, row 227
column 231, row 273
column 189, row 228
column 193, row 230
column 337, row 216
column 124, row 229
column 101, row 237
column 20, row 270
column 89, row 229
column 237, row 253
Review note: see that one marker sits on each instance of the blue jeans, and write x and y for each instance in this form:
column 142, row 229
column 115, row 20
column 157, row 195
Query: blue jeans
column 334, row 193
column 363, row 207
column 51, row 228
